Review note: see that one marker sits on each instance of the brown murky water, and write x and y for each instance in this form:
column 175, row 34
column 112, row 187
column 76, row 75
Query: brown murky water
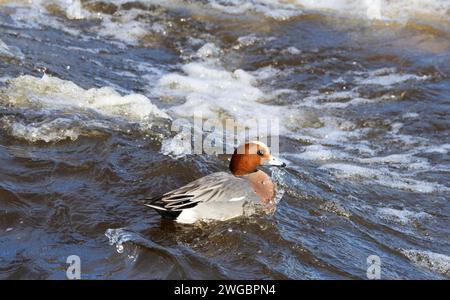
column 363, row 95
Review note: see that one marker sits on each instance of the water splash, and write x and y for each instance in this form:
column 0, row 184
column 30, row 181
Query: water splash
column 117, row 238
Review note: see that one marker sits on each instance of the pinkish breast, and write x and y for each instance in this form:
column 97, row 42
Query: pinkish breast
column 264, row 187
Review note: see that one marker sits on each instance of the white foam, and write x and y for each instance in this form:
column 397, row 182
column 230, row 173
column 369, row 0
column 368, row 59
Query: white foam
column 410, row 115
column 411, row 159
column 129, row 25
column 292, row 50
column 319, row 152
column 405, row 159
column 54, row 93
column 337, row 99
column 265, row 73
column 208, row 88
column 75, row 11
column 118, row 237
column 32, row 14
column 436, row 262
column 249, row 40
column 391, row 79
column 50, row 93
column 367, row 8
column 401, row 216
column 53, row 131
column 443, row 149
column 332, row 131
column 400, row 11
column 208, row 50
column 384, row 177
column 204, row 80
column 279, row 10
column 217, row 93
column 133, row 26
column 387, row 77
column 124, row 27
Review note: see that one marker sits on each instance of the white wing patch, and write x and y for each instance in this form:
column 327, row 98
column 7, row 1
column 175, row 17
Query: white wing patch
column 237, row 199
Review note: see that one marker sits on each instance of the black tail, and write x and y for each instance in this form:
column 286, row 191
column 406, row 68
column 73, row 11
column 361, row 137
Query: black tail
column 157, row 204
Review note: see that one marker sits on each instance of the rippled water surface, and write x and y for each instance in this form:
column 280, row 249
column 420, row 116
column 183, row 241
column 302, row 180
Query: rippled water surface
column 89, row 89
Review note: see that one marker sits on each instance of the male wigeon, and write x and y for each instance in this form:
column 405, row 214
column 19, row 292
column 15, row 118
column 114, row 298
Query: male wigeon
column 222, row 196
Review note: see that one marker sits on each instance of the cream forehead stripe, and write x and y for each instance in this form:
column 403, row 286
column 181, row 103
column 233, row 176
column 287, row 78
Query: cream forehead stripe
column 261, row 144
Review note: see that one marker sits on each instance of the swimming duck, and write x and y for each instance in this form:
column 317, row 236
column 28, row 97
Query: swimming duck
column 222, row 196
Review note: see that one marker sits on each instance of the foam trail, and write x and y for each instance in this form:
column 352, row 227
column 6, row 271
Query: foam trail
column 382, row 176
column 69, row 109
column 403, row 217
column 436, row 262
column 53, row 93
column 400, row 10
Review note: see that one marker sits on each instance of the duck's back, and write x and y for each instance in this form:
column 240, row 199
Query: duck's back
column 218, row 196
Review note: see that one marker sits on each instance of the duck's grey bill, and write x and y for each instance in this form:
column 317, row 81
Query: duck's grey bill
column 274, row 161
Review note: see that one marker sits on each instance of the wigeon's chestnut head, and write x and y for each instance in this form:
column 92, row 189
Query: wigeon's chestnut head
column 248, row 157
column 221, row 196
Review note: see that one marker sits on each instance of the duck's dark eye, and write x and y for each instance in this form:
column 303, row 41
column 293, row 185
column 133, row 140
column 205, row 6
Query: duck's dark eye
column 260, row 152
